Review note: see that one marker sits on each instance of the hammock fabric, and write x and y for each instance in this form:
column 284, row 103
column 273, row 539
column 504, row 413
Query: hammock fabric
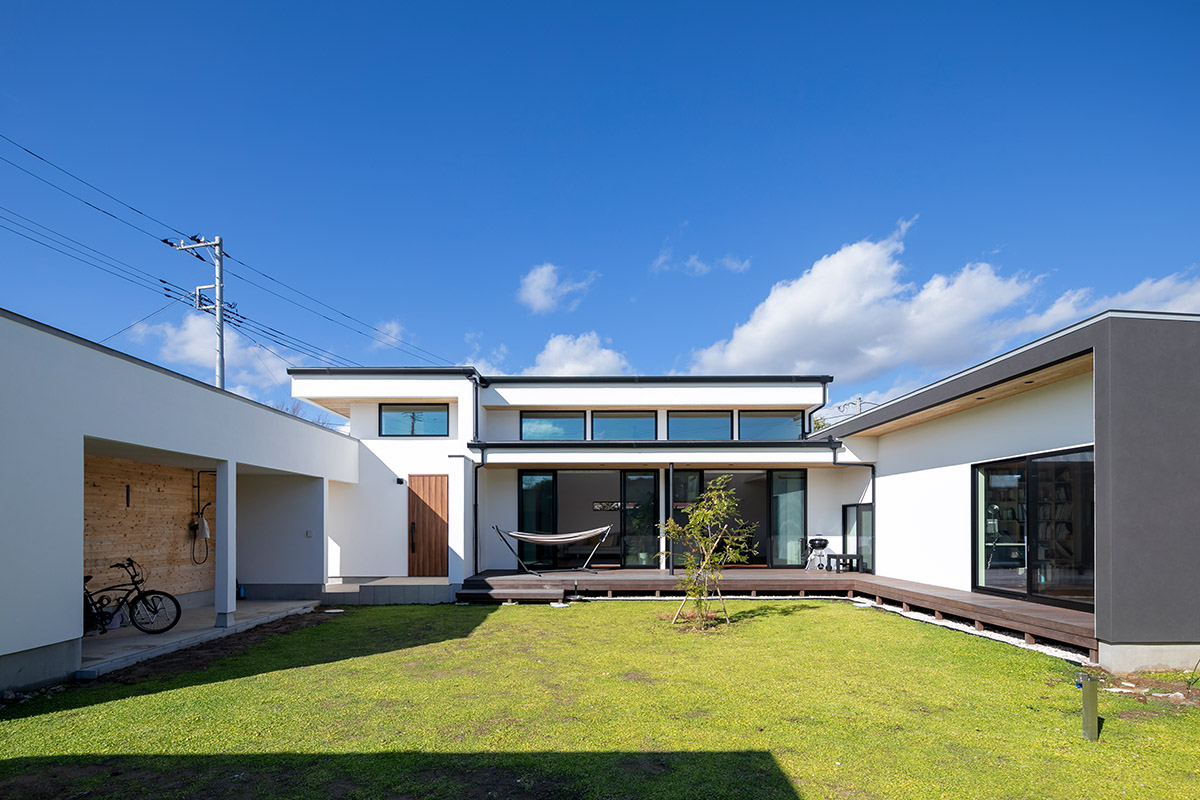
column 555, row 539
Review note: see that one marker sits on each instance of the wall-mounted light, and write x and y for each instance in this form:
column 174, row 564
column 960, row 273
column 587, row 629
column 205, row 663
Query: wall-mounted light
column 400, row 481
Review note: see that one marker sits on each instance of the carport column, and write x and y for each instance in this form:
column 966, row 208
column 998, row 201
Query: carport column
column 225, row 591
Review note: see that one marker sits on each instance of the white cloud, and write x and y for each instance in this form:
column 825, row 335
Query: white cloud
column 486, row 364
column 1179, row 292
column 734, row 264
column 193, row 343
column 387, row 334
column 693, row 265
column 585, row 354
column 853, row 315
column 542, row 291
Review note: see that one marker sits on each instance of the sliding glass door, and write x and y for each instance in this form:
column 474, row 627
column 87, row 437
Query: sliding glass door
column 535, row 514
column 789, row 544
column 858, row 533
column 1000, row 524
column 565, row 501
column 1063, row 548
column 1035, row 527
column 773, row 501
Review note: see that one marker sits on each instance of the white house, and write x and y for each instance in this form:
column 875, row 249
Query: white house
column 1060, row 474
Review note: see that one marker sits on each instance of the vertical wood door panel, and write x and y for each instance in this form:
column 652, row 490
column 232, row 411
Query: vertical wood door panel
column 428, row 525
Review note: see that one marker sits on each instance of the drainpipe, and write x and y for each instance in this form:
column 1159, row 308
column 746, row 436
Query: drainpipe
column 670, row 512
column 475, row 522
column 809, row 416
column 476, row 381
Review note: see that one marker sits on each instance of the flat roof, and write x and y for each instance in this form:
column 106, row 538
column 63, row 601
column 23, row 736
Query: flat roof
column 108, row 351
column 486, row 380
column 1057, row 356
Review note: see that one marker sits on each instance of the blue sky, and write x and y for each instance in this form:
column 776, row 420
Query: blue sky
column 884, row 193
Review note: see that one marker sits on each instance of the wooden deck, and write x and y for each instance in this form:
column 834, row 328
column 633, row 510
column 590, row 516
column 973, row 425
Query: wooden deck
column 1036, row 621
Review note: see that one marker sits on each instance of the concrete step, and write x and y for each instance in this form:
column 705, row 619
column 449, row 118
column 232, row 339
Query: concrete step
column 497, row 595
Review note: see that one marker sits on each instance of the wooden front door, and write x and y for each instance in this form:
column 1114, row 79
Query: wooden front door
column 428, row 528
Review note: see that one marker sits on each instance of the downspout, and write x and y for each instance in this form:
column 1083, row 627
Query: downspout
column 476, row 379
column 671, row 513
column 475, row 522
column 809, row 416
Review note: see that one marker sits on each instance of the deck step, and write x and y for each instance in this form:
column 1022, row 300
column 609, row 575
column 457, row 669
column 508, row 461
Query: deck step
column 496, row 595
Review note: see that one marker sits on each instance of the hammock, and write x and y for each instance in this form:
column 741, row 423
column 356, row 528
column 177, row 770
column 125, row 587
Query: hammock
column 555, row 539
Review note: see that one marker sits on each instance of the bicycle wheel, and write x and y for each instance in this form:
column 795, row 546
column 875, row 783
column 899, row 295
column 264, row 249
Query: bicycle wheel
column 154, row 612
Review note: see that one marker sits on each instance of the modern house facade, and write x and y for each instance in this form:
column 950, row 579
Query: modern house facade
column 554, row 455
column 1059, row 473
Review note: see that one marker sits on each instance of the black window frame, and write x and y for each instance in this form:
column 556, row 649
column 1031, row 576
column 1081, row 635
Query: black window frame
column 1029, row 596
column 700, row 411
column 393, row 406
column 757, row 412
column 591, row 432
column 620, row 533
column 565, row 411
column 707, row 474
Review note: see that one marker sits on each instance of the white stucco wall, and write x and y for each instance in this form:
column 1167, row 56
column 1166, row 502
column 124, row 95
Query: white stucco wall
column 828, row 491
column 281, row 529
column 497, row 506
column 57, row 391
column 923, row 488
column 370, row 532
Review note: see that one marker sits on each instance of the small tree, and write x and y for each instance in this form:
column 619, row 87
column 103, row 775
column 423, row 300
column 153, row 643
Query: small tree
column 713, row 537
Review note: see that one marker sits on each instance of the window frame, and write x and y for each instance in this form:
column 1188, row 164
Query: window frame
column 700, row 411
column 653, row 415
column 394, row 406
column 758, row 413
column 566, row 414
column 1029, row 596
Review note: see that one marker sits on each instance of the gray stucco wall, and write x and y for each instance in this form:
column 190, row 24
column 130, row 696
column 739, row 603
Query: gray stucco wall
column 1147, row 481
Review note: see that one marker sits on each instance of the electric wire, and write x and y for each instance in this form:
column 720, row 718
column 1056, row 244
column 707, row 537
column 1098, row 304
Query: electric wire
column 178, row 294
column 113, row 261
column 89, row 185
column 134, row 279
column 139, row 322
column 395, row 342
column 80, row 199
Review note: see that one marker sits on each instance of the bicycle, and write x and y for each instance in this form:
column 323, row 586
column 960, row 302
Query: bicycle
column 150, row 610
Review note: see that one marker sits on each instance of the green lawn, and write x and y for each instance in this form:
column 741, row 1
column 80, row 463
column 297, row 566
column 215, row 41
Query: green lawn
column 802, row 698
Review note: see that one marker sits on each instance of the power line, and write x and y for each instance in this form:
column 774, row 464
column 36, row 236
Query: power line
column 89, row 185
column 146, row 280
column 122, row 274
column 139, row 322
column 389, row 340
column 115, row 262
column 77, row 197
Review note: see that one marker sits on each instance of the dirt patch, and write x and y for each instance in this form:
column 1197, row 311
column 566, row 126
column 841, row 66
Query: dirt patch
column 646, row 766
column 639, row 677
column 203, row 654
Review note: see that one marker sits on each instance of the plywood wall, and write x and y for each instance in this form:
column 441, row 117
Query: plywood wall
column 152, row 527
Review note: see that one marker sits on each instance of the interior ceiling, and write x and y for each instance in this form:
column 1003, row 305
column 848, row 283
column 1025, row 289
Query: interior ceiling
column 1082, row 365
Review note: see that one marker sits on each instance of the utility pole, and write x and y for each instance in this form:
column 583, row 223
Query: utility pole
column 218, row 304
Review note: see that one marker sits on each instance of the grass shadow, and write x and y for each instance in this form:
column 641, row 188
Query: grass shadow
column 771, row 609
column 404, row 775
column 360, row 631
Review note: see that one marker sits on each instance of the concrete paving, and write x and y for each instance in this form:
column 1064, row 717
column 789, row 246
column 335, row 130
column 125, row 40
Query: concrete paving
column 119, row 648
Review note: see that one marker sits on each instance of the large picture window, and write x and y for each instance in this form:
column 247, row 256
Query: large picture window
column 1035, row 527
column 412, row 419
